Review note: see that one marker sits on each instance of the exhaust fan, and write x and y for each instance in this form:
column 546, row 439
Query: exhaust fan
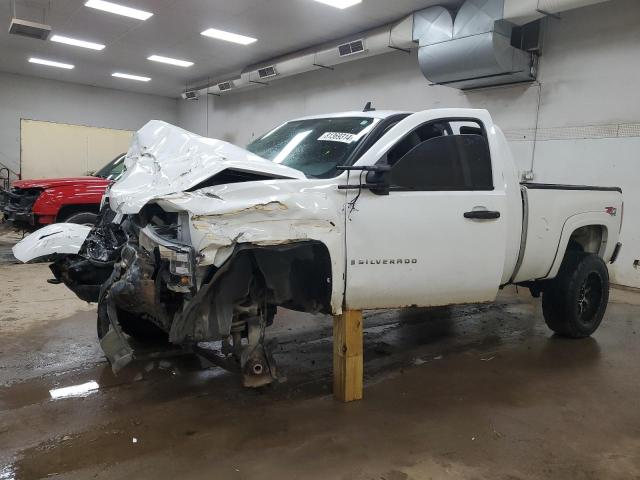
column 29, row 29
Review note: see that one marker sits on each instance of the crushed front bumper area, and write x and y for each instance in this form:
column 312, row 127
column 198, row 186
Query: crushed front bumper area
column 16, row 205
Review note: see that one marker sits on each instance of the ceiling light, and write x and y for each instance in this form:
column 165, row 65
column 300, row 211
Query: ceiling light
column 170, row 61
column 50, row 63
column 130, row 77
column 77, row 43
column 118, row 9
column 228, row 36
column 341, row 4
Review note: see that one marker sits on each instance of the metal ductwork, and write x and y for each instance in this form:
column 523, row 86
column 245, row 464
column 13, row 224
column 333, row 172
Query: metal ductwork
column 520, row 12
column 397, row 36
column 472, row 51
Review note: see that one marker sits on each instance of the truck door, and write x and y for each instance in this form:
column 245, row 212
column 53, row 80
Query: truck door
column 438, row 237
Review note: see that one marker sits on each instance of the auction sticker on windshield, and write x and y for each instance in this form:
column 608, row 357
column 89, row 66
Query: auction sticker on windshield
column 337, row 137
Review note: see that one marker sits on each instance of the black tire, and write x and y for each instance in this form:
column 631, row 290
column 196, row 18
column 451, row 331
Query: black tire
column 574, row 302
column 82, row 218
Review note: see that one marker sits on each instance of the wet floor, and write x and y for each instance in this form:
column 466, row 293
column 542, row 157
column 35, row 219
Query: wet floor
column 473, row 392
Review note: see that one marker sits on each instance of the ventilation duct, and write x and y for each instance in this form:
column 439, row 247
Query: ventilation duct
column 520, row 12
column 474, row 50
column 28, row 28
column 397, row 36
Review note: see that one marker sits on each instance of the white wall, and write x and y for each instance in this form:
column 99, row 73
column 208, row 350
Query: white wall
column 589, row 78
column 39, row 99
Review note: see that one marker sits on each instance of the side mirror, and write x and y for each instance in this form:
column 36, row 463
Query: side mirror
column 377, row 179
column 90, row 173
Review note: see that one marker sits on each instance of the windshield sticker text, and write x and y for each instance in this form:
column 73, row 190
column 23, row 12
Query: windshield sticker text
column 337, row 137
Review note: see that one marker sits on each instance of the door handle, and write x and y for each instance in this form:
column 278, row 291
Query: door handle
column 482, row 215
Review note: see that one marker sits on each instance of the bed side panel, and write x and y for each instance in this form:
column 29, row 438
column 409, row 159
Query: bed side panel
column 550, row 211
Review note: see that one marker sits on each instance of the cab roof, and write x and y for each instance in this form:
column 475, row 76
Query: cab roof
column 381, row 114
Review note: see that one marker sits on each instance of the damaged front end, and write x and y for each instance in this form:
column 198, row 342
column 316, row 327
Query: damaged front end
column 196, row 246
column 17, row 206
column 158, row 285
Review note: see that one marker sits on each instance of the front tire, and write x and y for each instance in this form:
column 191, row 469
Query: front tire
column 82, row 218
column 574, row 302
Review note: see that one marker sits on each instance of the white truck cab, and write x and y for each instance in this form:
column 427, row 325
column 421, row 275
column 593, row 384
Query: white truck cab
column 201, row 240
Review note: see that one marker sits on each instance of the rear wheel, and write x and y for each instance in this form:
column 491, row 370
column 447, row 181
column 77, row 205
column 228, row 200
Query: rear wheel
column 82, row 218
column 574, row 302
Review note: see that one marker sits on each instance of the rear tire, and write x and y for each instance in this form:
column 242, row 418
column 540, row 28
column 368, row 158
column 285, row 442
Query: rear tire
column 574, row 302
column 82, row 218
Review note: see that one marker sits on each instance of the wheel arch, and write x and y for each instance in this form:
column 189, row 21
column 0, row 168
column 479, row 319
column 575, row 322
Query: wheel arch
column 588, row 232
column 71, row 209
column 294, row 275
column 298, row 274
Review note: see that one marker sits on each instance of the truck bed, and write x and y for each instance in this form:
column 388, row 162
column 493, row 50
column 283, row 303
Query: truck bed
column 552, row 213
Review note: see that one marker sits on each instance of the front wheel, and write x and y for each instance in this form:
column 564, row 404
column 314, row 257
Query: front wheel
column 82, row 218
column 574, row 302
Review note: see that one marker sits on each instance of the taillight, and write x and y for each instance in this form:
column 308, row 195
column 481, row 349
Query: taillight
column 621, row 217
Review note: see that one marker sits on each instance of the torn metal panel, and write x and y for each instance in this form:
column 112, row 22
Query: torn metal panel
column 164, row 159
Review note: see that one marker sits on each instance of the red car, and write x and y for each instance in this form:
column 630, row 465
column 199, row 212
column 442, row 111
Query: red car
column 34, row 203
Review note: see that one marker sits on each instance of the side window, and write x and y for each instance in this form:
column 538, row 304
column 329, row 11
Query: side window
column 442, row 157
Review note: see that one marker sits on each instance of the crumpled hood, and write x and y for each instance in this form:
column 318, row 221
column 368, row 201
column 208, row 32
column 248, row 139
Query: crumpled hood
column 59, row 182
column 164, row 159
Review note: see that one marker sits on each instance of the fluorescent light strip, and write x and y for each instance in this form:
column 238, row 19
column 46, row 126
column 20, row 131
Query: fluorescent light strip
column 50, row 63
column 228, row 36
column 118, row 9
column 341, row 4
column 170, row 61
column 130, row 77
column 77, row 43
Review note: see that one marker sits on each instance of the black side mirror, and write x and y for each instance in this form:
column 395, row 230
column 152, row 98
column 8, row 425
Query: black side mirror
column 377, row 179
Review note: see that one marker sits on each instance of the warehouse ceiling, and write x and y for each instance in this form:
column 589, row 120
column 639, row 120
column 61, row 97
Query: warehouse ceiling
column 280, row 27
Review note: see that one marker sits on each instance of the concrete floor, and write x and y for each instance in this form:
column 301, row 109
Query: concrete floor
column 473, row 392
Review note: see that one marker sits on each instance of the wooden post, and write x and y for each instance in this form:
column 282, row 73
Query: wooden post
column 347, row 356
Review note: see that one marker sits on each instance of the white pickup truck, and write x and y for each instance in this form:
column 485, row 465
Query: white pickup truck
column 201, row 240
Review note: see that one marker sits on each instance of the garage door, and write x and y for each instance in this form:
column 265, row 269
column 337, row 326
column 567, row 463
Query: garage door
column 49, row 150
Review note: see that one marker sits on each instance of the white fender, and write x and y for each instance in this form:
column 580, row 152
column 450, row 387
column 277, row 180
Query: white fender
column 58, row 238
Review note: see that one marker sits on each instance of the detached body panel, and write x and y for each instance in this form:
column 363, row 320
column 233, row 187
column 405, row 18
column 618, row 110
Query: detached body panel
column 52, row 240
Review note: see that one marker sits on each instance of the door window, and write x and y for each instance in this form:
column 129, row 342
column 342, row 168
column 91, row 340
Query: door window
column 442, row 156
